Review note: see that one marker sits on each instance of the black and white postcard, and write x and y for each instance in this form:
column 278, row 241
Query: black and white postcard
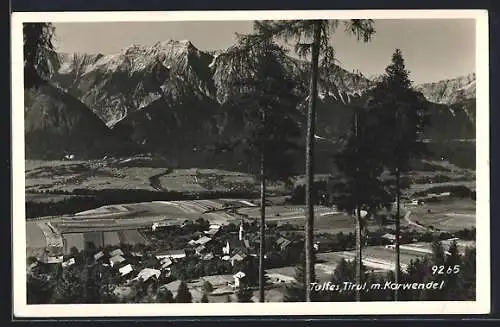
column 187, row 163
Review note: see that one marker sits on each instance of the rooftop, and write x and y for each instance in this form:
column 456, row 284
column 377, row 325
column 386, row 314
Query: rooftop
column 116, row 259
column 147, row 273
column 126, row 270
column 171, row 253
column 203, row 240
column 98, row 255
column 116, row 252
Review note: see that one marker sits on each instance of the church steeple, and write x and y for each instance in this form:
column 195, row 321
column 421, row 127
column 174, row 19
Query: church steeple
column 241, row 230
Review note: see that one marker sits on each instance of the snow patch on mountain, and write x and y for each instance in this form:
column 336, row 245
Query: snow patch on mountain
column 212, row 64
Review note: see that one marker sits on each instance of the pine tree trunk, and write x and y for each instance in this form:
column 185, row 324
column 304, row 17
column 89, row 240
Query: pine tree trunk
column 311, row 120
column 262, row 226
column 358, row 258
column 397, row 265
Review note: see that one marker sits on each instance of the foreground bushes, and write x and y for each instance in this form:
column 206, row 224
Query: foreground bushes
column 459, row 285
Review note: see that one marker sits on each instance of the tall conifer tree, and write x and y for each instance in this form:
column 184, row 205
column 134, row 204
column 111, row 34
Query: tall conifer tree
column 401, row 114
column 312, row 37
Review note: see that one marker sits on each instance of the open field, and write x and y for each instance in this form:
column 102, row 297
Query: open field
column 383, row 254
column 68, row 237
column 95, row 175
column 139, row 215
column 57, row 176
column 286, row 212
column 35, row 239
column 327, row 220
column 41, row 236
column 374, row 258
column 424, row 247
column 115, row 224
column 415, row 188
column 379, row 257
column 447, row 215
column 66, row 176
column 35, row 235
column 120, row 223
column 102, row 239
column 323, row 271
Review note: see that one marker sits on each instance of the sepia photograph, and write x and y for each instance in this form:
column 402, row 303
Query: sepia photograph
column 184, row 163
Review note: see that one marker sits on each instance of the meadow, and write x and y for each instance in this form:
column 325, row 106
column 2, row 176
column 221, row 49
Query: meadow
column 102, row 239
column 449, row 215
column 68, row 176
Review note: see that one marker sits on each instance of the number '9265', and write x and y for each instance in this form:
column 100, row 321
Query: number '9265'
column 445, row 270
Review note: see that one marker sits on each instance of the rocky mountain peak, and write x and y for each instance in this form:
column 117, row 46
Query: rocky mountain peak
column 451, row 90
column 171, row 90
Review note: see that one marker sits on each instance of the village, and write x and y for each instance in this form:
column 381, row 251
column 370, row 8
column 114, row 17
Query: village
column 214, row 260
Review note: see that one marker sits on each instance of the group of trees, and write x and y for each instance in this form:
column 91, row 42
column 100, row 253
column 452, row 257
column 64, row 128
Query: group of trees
column 92, row 283
column 88, row 281
column 386, row 136
column 313, row 37
column 266, row 95
column 40, row 57
column 80, row 283
column 269, row 103
column 457, row 274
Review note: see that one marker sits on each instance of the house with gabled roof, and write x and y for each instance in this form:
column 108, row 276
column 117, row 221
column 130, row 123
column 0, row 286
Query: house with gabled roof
column 237, row 257
column 238, row 277
column 68, row 263
column 283, row 243
column 116, row 260
column 136, row 254
column 147, row 273
column 165, row 263
column 212, row 232
column 98, row 255
column 323, row 242
column 208, row 256
column 203, row 240
column 199, row 250
column 277, row 278
column 213, row 229
column 171, row 254
column 53, row 259
column 389, row 237
column 125, row 270
column 116, row 252
column 29, row 268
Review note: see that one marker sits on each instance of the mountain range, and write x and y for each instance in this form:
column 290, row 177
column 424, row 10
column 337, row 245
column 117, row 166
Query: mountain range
column 170, row 98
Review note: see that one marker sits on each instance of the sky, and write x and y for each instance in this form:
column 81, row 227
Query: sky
column 434, row 49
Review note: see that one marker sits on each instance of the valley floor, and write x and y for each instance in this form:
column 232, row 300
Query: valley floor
column 53, row 238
